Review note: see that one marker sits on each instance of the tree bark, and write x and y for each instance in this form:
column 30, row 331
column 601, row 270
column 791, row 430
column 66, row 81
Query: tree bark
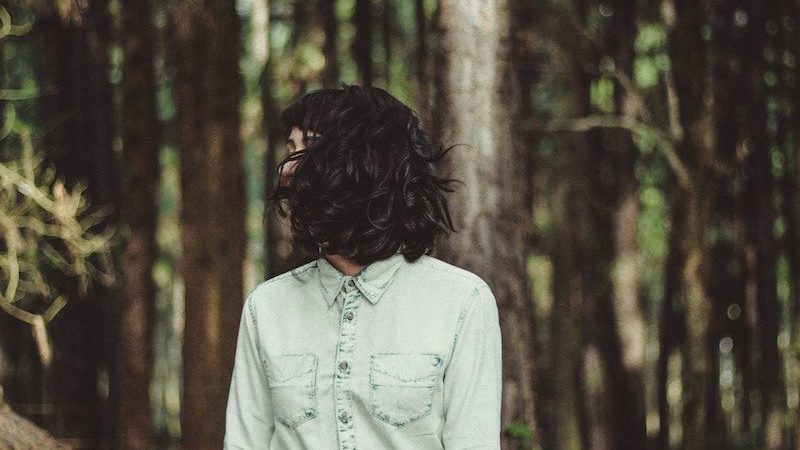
column 362, row 43
column 422, row 62
column 140, row 133
column 206, row 50
column 728, row 280
column 787, row 95
column 476, row 70
column 76, row 113
column 672, row 324
column 623, row 332
column 17, row 433
column 387, row 28
column 691, row 87
column 575, row 422
column 792, row 203
column 567, row 339
column 760, row 192
column 330, row 74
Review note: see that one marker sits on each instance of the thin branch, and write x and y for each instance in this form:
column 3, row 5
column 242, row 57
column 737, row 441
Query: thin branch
column 665, row 142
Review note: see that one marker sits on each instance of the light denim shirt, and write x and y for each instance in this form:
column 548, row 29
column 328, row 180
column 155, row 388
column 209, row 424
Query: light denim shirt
column 402, row 355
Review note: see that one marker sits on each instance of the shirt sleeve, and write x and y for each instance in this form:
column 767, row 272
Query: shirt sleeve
column 248, row 418
column 473, row 378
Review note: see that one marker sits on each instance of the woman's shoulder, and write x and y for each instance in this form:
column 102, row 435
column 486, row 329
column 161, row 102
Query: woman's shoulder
column 435, row 280
column 443, row 271
column 284, row 283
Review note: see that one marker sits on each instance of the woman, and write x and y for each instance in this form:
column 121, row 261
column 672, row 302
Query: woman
column 374, row 344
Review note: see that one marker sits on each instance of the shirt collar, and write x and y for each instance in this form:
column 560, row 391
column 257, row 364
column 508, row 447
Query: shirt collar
column 372, row 280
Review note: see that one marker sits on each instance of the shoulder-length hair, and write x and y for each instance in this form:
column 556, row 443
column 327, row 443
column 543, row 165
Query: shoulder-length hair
column 367, row 186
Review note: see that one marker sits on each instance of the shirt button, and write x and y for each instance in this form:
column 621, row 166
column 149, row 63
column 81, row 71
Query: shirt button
column 348, row 315
column 343, row 365
column 351, row 283
column 343, row 417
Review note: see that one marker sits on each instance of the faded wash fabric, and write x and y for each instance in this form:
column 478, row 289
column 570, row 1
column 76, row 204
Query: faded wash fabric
column 402, row 355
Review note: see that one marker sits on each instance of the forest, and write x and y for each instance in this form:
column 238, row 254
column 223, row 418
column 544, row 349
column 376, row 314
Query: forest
column 631, row 192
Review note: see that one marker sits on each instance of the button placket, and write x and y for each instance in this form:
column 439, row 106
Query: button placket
column 344, row 353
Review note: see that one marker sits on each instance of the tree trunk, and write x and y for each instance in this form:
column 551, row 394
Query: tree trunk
column 623, row 335
column 206, row 52
column 672, row 325
column 691, row 88
column 330, row 74
column 760, row 190
column 576, row 424
column 17, row 433
column 362, row 43
column 422, row 63
column 524, row 62
column 729, row 261
column 76, row 112
column 786, row 93
column 476, row 70
column 387, row 28
column 568, row 247
column 140, row 135
column 792, row 202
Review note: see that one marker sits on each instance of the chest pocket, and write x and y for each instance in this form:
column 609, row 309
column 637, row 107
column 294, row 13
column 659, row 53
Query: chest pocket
column 402, row 385
column 292, row 380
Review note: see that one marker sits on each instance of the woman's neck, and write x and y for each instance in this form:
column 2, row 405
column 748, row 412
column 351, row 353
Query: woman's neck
column 344, row 265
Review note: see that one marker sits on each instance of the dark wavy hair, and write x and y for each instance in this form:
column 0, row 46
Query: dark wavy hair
column 367, row 186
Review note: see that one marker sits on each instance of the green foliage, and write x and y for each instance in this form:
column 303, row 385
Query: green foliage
column 347, row 32
column 540, row 269
column 602, row 94
column 651, row 57
column 45, row 226
column 522, row 434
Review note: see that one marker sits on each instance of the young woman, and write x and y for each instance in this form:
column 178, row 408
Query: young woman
column 375, row 344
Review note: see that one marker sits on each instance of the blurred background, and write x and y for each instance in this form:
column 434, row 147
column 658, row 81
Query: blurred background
column 630, row 192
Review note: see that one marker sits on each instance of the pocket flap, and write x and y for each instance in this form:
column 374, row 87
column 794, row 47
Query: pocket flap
column 408, row 367
column 281, row 368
